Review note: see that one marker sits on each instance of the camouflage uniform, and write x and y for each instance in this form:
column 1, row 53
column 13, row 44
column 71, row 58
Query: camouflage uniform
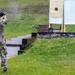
column 3, row 51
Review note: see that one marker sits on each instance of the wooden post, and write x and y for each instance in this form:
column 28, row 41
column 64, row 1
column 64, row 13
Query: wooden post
column 63, row 18
column 49, row 14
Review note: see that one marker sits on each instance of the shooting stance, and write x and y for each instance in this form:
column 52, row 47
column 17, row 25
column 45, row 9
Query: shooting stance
column 3, row 52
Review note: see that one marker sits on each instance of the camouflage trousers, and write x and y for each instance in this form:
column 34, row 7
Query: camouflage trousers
column 3, row 54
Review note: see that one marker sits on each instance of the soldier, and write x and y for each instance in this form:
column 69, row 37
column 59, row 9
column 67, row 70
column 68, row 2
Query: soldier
column 3, row 52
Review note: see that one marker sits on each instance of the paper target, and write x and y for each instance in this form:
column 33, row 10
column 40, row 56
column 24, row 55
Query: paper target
column 56, row 8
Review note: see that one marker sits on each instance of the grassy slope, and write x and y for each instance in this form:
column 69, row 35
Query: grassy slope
column 24, row 21
column 45, row 57
column 24, row 25
column 22, row 3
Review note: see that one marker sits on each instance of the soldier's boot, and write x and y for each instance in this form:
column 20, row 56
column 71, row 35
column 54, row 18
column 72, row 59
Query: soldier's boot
column 3, row 60
column 4, row 65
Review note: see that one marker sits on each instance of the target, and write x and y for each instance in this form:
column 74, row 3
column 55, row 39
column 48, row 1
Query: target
column 56, row 8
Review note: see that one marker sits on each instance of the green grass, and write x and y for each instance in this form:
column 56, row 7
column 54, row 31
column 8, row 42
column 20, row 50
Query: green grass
column 33, row 13
column 45, row 57
column 24, row 24
column 22, row 3
column 70, row 28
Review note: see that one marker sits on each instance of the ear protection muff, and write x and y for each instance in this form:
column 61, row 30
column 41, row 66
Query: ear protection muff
column 2, row 14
